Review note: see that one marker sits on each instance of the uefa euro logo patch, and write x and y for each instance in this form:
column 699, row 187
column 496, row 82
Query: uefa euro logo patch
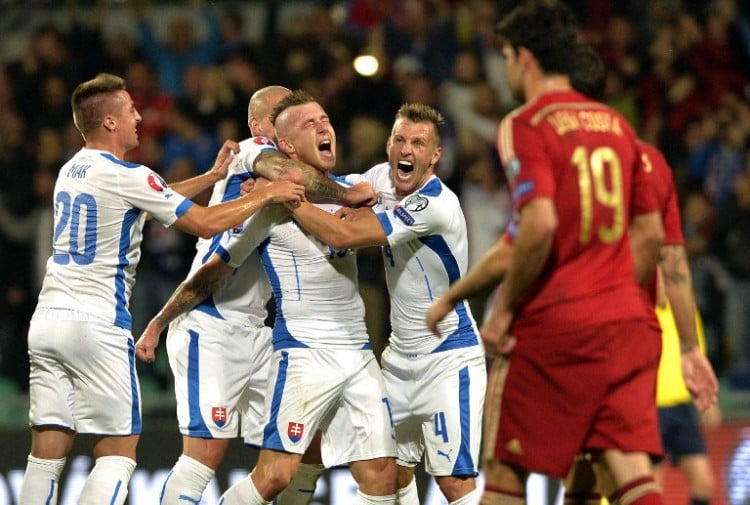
column 295, row 431
column 219, row 415
column 156, row 182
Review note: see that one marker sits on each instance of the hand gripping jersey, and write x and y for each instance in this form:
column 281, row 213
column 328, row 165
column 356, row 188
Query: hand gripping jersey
column 242, row 297
column 427, row 251
column 101, row 204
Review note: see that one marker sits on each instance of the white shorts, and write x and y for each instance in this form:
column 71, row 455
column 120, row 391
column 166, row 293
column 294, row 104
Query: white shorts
column 221, row 374
column 340, row 392
column 82, row 374
column 437, row 402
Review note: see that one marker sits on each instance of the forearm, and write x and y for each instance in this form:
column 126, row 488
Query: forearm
column 188, row 295
column 678, row 287
column 646, row 239
column 274, row 165
column 340, row 233
column 485, row 275
column 191, row 187
column 531, row 248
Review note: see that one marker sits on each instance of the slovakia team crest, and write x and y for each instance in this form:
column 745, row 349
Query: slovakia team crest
column 295, row 431
column 156, row 182
column 219, row 415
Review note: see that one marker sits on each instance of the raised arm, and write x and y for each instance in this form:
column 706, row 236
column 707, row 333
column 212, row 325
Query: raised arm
column 191, row 187
column 187, row 296
column 275, row 165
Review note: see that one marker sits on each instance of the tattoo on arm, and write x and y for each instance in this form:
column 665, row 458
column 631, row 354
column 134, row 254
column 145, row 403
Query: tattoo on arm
column 274, row 165
column 674, row 266
column 187, row 296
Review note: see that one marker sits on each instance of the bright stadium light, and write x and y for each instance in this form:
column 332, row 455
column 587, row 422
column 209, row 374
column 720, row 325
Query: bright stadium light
column 366, row 65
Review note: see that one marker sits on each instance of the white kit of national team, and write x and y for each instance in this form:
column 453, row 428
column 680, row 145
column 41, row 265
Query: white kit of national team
column 219, row 351
column 324, row 374
column 82, row 317
column 436, row 386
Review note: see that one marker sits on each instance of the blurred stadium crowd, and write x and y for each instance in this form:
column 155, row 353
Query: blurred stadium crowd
column 679, row 70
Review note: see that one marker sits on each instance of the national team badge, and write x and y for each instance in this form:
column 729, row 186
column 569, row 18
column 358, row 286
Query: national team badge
column 295, row 431
column 219, row 415
column 415, row 203
column 156, row 182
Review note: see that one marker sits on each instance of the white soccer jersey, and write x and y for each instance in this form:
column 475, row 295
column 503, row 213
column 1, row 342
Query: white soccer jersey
column 243, row 296
column 317, row 295
column 427, row 251
column 101, row 203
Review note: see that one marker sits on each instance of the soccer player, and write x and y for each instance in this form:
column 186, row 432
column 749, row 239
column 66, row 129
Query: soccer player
column 221, row 340
column 580, row 378
column 83, row 377
column 323, row 373
column 435, row 385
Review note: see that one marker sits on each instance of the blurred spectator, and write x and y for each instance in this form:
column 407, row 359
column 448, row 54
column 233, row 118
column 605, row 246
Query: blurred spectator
column 186, row 138
column 181, row 47
column 732, row 239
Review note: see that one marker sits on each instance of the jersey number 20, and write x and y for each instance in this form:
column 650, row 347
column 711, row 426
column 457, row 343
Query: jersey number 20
column 71, row 213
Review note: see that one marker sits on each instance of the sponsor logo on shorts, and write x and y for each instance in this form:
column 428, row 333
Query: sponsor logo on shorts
column 295, row 431
column 219, row 415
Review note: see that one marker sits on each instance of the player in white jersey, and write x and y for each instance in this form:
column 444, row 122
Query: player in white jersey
column 324, row 373
column 436, row 386
column 221, row 341
column 82, row 377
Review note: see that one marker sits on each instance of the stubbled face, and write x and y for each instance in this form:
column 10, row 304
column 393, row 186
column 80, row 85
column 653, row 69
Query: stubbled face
column 412, row 154
column 305, row 133
column 126, row 120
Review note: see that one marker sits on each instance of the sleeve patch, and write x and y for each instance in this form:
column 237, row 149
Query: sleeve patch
column 156, row 182
column 523, row 189
column 403, row 215
column 415, row 203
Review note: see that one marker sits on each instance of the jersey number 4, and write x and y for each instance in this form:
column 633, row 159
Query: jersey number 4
column 80, row 247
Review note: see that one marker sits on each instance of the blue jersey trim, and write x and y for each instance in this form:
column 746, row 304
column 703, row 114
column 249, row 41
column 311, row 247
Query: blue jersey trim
column 271, row 437
column 223, row 254
column 183, row 208
column 432, row 188
column 282, row 338
column 135, row 413
column 464, row 336
column 208, row 306
column 385, row 223
column 120, row 162
column 464, row 465
column 196, row 426
column 122, row 316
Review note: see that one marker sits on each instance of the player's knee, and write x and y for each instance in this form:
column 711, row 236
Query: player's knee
column 376, row 477
column 454, row 488
column 208, row 452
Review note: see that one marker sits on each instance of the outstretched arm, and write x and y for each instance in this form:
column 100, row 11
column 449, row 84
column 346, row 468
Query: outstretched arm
column 186, row 297
column 275, row 165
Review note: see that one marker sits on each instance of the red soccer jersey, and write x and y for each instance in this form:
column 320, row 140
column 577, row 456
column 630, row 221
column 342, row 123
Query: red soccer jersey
column 582, row 155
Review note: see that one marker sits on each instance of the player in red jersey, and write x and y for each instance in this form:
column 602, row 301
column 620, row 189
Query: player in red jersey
column 582, row 373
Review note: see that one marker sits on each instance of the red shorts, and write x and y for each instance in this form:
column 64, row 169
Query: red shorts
column 570, row 392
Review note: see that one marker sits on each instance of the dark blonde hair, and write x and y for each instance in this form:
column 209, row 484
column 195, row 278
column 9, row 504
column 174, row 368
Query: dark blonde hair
column 90, row 101
column 296, row 97
column 421, row 113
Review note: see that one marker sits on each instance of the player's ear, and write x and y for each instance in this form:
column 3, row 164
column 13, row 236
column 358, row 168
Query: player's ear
column 286, row 147
column 388, row 144
column 436, row 156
